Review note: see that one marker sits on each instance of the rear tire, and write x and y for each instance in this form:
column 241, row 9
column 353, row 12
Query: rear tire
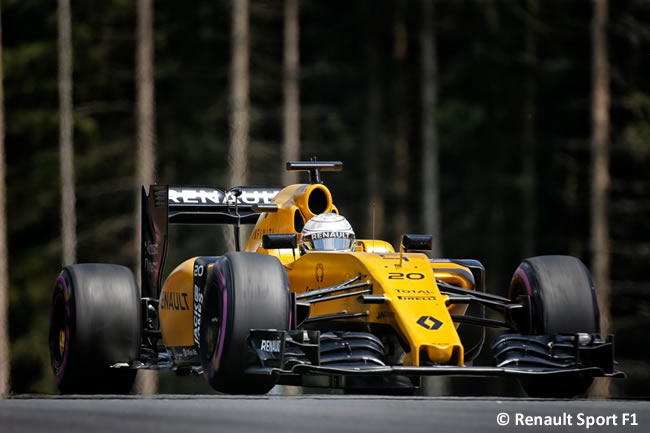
column 563, row 300
column 95, row 322
column 246, row 291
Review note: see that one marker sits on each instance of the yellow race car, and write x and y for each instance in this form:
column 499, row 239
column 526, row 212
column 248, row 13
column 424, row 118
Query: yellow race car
column 307, row 303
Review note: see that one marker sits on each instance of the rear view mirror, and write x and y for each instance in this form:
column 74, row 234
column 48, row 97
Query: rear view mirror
column 417, row 242
column 281, row 240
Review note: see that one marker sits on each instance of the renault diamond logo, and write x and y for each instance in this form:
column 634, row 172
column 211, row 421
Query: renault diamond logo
column 429, row 322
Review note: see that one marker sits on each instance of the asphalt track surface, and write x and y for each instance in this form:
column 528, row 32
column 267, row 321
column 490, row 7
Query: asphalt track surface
column 313, row 414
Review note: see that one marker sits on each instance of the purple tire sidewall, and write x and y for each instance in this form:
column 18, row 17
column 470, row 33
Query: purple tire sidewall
column 221, row 283
column 520, row 274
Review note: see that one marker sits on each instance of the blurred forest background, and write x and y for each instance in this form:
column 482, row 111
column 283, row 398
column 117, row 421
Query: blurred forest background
column 506, row 128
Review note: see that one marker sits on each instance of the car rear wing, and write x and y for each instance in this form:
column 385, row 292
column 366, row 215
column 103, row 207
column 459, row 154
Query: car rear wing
column 208, row 205
column 163, row 205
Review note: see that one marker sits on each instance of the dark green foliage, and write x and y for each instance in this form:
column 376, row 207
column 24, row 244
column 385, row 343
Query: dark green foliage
column 482, row 69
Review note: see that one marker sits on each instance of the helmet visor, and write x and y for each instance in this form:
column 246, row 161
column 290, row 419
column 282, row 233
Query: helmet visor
column 342, row 242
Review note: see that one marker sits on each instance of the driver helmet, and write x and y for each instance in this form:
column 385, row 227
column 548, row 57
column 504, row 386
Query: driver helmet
column 327, row 232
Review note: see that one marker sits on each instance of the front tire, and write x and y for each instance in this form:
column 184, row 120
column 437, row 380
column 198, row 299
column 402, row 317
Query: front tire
column 246, row 291
column 562, row 300
column 95, row 322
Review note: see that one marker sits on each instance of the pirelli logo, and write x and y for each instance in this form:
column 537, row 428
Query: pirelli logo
column 417, row 298
column 416, row 295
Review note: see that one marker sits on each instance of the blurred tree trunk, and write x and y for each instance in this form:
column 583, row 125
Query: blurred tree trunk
column 291, row 117
column 600, row 180
column 146, row 382
column 5, row 368
column 430, row 218
column 291, row 131
column 372, row 137
column 400, row 147
column 239, row 104
column 68, row 215
column 528, row 174
column 239, row 122
column 430, row 167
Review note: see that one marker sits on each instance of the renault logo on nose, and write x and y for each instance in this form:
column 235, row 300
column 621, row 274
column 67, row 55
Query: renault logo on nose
column 429, row 322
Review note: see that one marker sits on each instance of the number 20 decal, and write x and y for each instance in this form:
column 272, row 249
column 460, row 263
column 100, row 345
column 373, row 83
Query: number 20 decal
column 409, row 276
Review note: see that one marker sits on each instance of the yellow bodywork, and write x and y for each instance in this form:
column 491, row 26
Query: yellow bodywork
column 410, row 292
column 175, row 307
column 413, row 305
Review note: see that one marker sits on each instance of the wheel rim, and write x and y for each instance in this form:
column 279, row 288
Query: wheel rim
column 61, row 341
column 212, row 334
column 58, row 332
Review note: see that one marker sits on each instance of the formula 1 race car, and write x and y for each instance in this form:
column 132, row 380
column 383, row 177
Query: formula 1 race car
column 315, row 308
